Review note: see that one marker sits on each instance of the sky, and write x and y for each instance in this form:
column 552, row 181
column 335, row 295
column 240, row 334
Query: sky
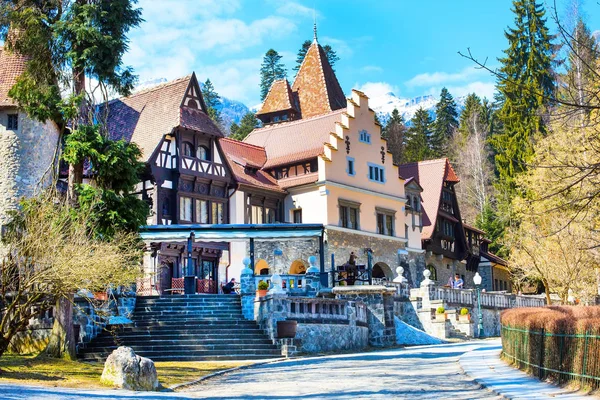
column 408, row 47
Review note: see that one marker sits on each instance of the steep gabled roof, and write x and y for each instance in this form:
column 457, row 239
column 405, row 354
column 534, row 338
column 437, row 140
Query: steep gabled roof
column 243, row 157
column 12, row 65
column 295, row 141
column 431, row 175
column 279, row 98
column 316, row 85
column 145, row 117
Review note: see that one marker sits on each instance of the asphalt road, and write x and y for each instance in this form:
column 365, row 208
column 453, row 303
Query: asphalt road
column 428, row 372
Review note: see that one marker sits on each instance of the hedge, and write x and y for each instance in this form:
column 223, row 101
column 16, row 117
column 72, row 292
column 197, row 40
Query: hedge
column 561, row 343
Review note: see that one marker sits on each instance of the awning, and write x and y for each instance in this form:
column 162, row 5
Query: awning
column 230, row 232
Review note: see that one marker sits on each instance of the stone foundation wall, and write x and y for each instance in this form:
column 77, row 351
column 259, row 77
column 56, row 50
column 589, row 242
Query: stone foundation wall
column 318, row 338
column 291, row 250
column 385, row 251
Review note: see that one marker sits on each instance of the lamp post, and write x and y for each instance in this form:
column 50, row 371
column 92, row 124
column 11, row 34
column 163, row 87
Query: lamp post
column 477, row 282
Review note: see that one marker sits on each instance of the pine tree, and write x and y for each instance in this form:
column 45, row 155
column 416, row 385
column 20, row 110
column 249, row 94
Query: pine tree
column 418, row 137
column 271, row 69
column 247, row 124
column 395, row 134
column 525, row 85
column 331, row 55
column 212, row 100
column 446, row 122
column 472, row 105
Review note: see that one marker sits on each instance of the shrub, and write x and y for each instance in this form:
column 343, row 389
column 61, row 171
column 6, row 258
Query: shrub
column 464, row 311
column 262, row 285
column 441, row 310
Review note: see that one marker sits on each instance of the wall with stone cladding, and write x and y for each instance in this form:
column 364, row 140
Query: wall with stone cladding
column 318, row 338
column 299, row 249
column 380, row 311
column 26, row 156
column 342, row 243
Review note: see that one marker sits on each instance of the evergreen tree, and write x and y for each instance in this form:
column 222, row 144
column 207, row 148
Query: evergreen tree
column 472, row 105
column 395, row 134
column 446, row 122
column 418, row 137
column 247, row 124
column 271, row 69
column 525, row 84
column 331, row 55
column 489, row 222
column 212, row 100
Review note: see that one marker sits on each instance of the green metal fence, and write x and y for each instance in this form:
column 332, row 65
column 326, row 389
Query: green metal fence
column 559, row 356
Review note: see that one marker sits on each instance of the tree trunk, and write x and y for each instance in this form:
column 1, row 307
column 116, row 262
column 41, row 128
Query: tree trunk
column 62, row 339
column 75, row 178
column 3, row 345
column 547, row 290
column 76, row 170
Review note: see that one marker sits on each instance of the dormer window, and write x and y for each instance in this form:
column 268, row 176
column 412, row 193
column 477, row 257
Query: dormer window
column 203, row 153
column 188, row 149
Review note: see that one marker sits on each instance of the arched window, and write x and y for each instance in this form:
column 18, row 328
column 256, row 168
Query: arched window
column 433, row 271
column 203, row 153
column 188, row 149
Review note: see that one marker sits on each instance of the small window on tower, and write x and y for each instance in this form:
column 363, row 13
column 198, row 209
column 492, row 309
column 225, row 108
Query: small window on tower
column 13, row 122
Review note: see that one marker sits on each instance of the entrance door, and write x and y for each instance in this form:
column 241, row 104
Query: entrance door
column 207, row 276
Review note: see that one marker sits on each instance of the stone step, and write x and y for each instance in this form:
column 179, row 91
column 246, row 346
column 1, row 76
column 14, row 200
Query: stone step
column 193, row 353
column 196, row 335
column 185, row 314
column 153, row 341
column 99, row 357
column 175, row 330
column 195, row 307
column 194, row 323
column 141, row 348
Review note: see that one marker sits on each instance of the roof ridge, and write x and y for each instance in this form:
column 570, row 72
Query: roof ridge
column 153, row 88
column 297, row 121
column 244, row 143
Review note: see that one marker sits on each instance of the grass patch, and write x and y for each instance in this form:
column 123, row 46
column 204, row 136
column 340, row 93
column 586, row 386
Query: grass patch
column 41, row 370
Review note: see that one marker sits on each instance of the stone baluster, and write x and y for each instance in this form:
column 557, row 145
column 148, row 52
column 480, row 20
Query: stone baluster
column 247, row 290
column 312, row 279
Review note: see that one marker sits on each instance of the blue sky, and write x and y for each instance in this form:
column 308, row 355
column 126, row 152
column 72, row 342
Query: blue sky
column 409, row 47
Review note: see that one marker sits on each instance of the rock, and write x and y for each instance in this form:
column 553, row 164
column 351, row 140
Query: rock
column 126, row 370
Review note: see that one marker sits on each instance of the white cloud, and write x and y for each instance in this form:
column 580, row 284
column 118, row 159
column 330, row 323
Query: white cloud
column 482, row 89
column 295, row 9
column 341, row 47
column 443, row 78
column 186, row 10
column 371, row 68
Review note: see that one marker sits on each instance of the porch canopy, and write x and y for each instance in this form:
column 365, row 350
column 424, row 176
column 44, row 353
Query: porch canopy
column 236, row 232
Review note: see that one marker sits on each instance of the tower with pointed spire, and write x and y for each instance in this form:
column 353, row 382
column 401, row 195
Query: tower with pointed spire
column 315, row 90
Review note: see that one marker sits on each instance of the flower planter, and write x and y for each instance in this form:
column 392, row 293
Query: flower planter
column 286, row 329
column 440, row 317
column 261, row 293
column 464, row 318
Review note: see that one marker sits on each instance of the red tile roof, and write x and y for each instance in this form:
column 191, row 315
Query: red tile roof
column 145, row 117
column 279, row 98
column 240, row 155
column 431, row 175
column 316, row 85
column 295, row 141
column 11, row 67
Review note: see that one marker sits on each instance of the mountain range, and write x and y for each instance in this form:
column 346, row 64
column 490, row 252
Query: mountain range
column 233, row 110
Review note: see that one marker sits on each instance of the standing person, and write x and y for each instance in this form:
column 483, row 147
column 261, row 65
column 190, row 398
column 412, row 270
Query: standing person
column 228, row 287
column 458, row 282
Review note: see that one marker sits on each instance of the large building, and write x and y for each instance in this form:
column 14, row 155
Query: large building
column 319, row 158
column 28, row 148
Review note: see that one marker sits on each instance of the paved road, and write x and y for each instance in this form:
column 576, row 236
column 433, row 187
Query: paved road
column 430, row 372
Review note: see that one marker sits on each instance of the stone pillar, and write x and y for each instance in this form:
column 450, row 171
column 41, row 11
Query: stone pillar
column 312, row 278
column 426, row 287
column 485, row 270
column 380, row 311
column 247, row 290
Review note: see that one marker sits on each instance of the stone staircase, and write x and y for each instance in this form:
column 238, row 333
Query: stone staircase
column 187, row 328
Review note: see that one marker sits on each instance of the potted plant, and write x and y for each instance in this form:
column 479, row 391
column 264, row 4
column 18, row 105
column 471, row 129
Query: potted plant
column 262, row 288
column 101, row 296
column 464, row 315
column 286, row 329
column 440, row 314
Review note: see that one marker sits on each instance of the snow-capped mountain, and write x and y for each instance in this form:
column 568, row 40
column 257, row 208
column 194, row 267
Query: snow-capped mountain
column 383, row 105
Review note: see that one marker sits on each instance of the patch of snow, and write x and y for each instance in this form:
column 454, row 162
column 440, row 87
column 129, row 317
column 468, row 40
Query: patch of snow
column 410, row 336
column 119, row 320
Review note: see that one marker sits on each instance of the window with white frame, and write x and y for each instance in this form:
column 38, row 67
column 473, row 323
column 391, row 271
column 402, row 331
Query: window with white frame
column 185, row 208
column 376, row 173
column 364, row 136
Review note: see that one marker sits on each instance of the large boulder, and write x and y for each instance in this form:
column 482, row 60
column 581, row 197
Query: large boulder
column 126, row 370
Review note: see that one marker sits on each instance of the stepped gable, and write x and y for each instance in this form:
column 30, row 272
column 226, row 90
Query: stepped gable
column 145, row 117
column 295, row 141
column 431, row 175
column 12, row 65
column 245, row 161
column 279, row 98
column 316, row 85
